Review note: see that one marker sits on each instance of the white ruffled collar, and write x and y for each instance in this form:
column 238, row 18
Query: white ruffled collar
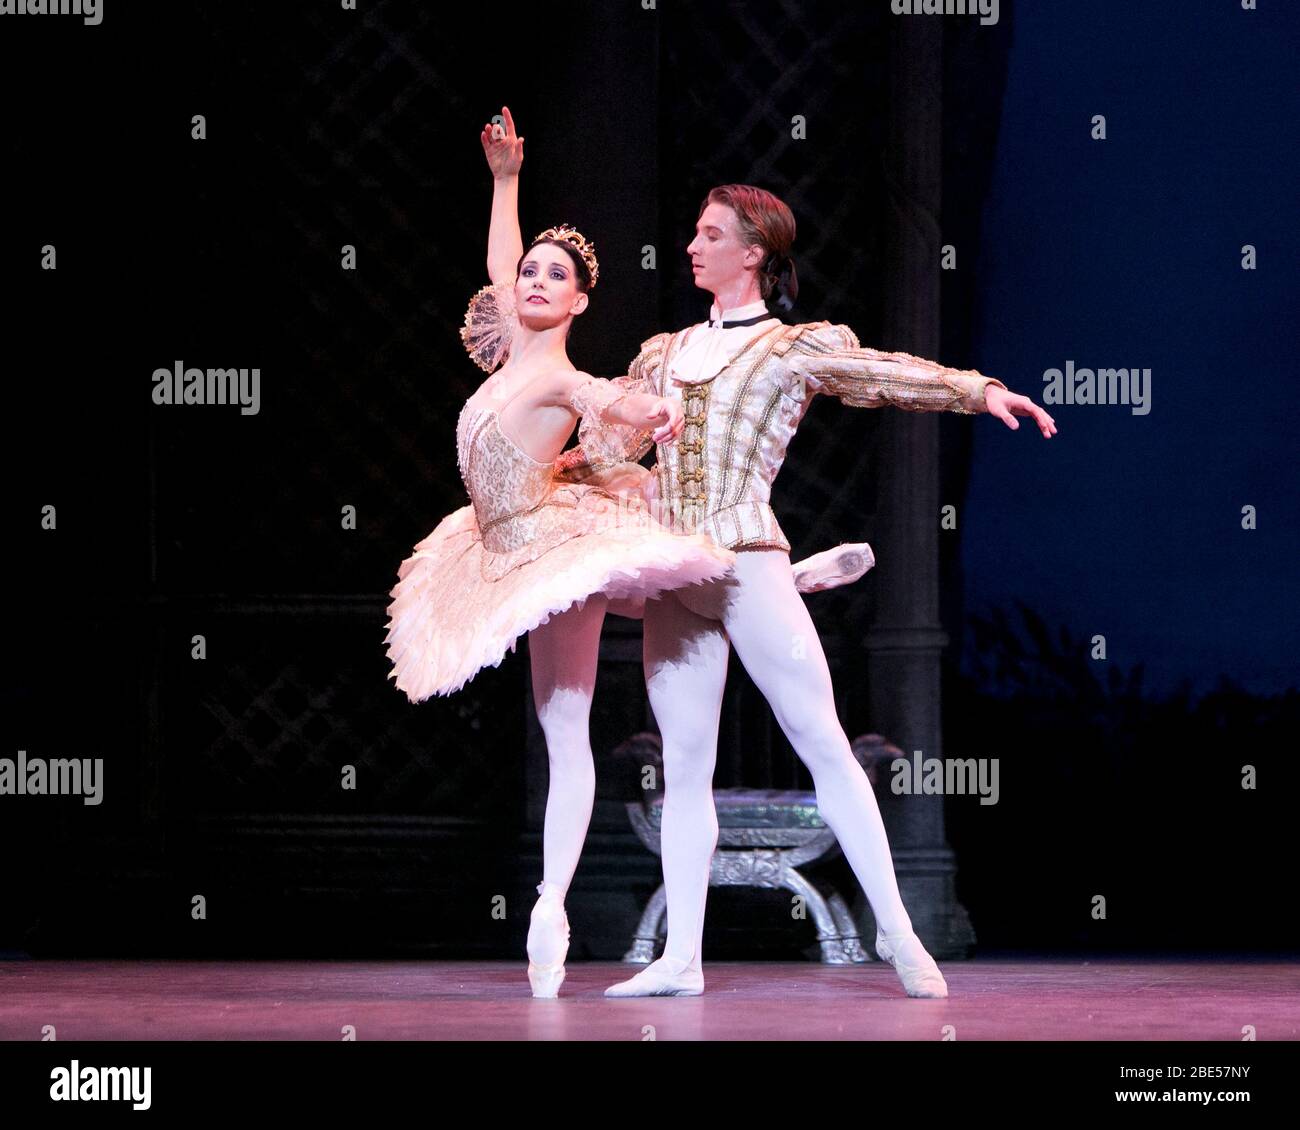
column 709, row 348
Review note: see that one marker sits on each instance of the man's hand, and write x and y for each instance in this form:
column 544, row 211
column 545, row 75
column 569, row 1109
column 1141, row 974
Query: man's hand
column 504, row 151
column 1007, row 405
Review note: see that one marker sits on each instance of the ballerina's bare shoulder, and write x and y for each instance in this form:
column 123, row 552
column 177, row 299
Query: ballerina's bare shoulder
column 526, row 408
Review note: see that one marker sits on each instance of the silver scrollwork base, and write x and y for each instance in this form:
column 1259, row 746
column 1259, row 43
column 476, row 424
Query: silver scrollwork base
column 773, row 868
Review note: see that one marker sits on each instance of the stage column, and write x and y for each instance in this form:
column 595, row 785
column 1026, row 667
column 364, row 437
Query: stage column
column 905, row 637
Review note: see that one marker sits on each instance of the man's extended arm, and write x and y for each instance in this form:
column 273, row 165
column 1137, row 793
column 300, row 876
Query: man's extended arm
column 829, row 358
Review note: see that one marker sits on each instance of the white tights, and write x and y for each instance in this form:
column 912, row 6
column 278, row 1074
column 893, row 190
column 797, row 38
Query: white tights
column 563, row 654
column 686, row 647
column 758, row 611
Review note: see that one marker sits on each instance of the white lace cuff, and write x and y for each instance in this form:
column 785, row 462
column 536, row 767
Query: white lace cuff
column 605, row 443
column 593, row 396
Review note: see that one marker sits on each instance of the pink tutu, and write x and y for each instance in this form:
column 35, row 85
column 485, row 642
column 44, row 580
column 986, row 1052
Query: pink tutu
column 458, row 608
column 469, row 591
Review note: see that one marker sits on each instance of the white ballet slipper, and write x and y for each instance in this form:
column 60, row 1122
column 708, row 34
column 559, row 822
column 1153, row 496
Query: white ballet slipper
column 914, row 966
column 662, row 978
column 831, row 568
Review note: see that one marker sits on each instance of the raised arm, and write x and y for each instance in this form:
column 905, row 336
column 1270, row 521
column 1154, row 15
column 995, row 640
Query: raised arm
column 505, row 154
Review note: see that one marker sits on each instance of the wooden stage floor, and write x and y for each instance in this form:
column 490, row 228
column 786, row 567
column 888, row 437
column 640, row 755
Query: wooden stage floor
column 1016, row 998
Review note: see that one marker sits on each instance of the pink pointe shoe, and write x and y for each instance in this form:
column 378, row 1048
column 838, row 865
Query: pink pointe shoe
column 914, row 966
column 548, row 945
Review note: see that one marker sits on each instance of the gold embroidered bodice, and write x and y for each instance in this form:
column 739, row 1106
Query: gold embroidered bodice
column 520, row 507
column 502, row 481
column 521, row 510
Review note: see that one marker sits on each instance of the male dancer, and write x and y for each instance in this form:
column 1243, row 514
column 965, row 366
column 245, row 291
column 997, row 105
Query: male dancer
column 746, row 380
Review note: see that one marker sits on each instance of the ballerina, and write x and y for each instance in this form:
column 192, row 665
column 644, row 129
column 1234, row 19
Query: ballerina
column 531, row 552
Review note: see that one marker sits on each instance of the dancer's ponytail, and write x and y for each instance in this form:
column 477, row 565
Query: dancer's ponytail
column 783, row 287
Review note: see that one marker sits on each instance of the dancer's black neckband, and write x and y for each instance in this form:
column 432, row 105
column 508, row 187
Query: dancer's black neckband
column 747, row 321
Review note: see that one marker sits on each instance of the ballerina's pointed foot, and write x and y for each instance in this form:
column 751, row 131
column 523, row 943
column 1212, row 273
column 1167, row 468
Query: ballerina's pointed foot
column 914, row 966
column 545, row 980
column 548, row 945
column 662, row 978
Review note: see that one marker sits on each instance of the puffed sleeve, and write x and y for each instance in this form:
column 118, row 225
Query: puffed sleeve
column 601, row 444
column 830, row 360
column 490, row 325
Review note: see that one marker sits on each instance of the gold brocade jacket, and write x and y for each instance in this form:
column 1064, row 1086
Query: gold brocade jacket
column 716, row 477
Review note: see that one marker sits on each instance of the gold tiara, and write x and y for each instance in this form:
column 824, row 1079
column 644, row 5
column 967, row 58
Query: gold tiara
column 574, row 239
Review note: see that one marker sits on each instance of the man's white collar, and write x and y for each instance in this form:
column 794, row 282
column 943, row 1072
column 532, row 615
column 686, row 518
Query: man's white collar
column 736, row 313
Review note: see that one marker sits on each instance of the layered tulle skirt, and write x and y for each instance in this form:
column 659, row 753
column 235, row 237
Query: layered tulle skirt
column 458, row 607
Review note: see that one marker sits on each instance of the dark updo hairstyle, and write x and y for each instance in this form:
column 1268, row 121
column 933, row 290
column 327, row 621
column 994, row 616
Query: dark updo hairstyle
column 766, row 220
